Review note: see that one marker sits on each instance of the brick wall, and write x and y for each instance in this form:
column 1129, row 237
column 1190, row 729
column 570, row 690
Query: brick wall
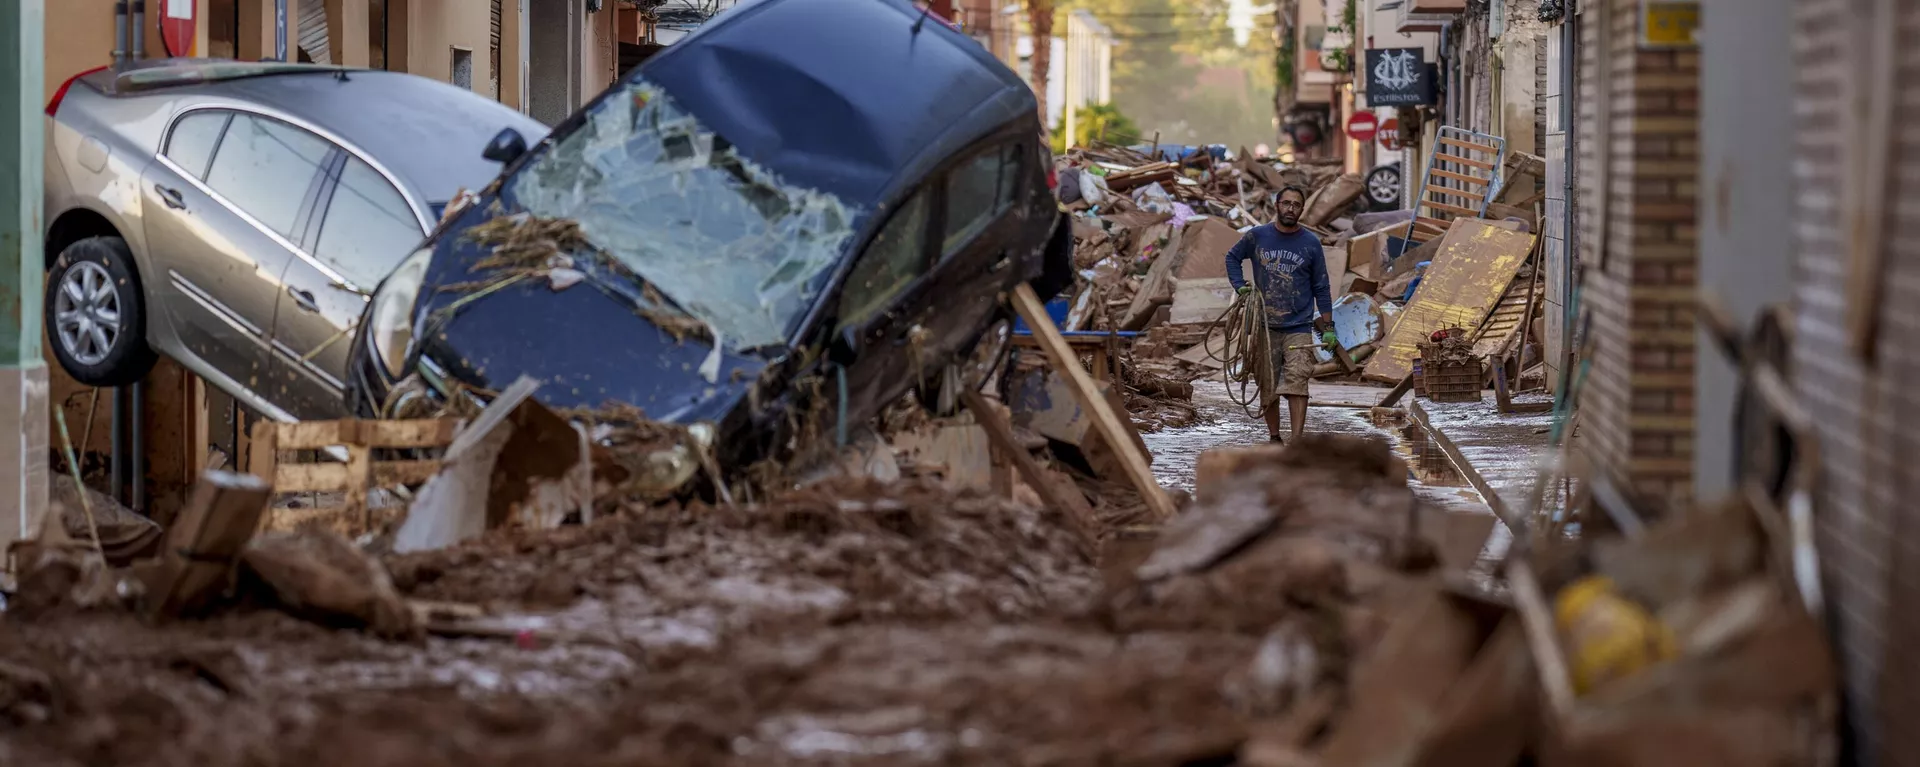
column 1866, row 520
column 1637, row 410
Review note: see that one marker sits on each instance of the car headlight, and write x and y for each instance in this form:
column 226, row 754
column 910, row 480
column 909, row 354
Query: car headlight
column 390, row 318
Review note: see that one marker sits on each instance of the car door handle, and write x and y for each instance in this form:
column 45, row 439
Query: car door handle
column 171, row 197
column 303, row 299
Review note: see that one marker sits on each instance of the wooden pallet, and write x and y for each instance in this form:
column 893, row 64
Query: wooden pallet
column 1462, row 173
column 351, row 480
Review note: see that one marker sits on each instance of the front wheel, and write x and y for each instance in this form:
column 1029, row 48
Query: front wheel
column 96, row 314
column 1383, row 187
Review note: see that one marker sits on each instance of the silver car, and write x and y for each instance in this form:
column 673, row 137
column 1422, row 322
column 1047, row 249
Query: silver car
column 234, row 216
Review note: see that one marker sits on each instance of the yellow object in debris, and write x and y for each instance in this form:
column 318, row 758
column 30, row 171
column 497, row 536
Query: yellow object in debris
column 1608, row 636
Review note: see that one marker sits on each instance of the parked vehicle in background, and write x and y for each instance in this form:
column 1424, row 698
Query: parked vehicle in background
column 1383, row 187
column 235, row 216
column 806, row 207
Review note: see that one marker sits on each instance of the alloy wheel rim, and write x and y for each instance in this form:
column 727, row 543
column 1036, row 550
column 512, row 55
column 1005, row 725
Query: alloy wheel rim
column 1386, row 187
column 86, row 313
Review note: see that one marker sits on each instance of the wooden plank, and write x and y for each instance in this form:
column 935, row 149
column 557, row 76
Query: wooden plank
column 328, row 477
column 196, row 563
column 1464, row 161
column 1117, row 432
column 1434, row 225
column 1454, row 142
column 412, row 433
column 1475, row 264
column 1462, row 177
column 263, row 453
column 1454, row 209
column 1000, row 433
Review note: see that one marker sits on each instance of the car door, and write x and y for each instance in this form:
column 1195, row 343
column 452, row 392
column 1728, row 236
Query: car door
column 362, row 228
column 974, row 264
column 220, row 206
column 871, row 309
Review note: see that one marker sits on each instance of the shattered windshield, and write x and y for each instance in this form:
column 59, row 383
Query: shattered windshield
column 724, row 238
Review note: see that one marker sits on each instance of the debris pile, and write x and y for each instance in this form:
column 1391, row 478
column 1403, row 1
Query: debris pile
column 849, row 622
column 1151, row 239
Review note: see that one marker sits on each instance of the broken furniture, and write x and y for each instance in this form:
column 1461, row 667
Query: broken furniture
column 348, row 483
column 1457, row 184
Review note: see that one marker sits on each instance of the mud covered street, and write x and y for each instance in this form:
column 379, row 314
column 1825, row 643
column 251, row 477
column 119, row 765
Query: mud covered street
column 844, row 624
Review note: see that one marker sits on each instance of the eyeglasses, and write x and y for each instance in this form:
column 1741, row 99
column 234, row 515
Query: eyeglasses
column 1288, row 204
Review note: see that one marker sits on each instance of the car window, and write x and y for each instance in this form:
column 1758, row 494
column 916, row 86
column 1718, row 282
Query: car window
column 191, row 144
column 369, row 226
column 977, row 192
column 264, row 166
column 889, row 264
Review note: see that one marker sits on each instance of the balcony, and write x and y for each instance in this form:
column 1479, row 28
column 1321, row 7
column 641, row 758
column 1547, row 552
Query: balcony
column 1424, row 15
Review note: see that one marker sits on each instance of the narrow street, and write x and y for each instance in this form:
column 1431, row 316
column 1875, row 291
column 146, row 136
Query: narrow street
column 1225, row 424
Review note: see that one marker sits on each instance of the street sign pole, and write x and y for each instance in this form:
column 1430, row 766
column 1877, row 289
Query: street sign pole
column 280, row 29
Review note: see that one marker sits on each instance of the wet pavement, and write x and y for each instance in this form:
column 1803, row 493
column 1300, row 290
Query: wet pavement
column 1506, row 450
column 1225, row 424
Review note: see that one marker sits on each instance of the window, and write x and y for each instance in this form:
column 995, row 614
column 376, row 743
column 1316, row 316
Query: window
column 369, row 226
column 977, row 193
column 462, row 68
column 193, row 139
column 895, row 257
column 264, row 167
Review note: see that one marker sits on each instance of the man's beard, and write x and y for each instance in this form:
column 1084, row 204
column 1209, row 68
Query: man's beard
column 1289, row 219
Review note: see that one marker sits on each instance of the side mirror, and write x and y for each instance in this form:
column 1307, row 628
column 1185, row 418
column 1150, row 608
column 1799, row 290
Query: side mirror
column 506, row 146
column 845, row 347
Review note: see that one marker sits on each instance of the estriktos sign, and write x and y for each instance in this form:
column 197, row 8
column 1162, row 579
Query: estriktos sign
column 1397, row 77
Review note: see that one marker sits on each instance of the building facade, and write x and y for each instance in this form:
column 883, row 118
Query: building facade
column 543, row 57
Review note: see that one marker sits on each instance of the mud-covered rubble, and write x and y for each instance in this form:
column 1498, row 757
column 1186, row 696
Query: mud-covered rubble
column 847, row 623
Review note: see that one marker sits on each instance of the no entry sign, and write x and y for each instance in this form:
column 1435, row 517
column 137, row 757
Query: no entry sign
column 1362, row 125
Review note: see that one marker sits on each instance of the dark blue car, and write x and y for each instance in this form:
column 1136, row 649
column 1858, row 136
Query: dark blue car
column 808, row 206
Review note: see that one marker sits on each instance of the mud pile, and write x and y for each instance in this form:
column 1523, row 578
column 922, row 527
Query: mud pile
column 850, row 623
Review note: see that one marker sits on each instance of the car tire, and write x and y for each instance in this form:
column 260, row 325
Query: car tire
column 1383, row 187
column 96, row 314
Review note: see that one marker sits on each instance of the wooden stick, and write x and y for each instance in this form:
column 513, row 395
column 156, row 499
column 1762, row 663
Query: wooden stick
column 1399, row 390
column 79, row 488
column 1116, row 432
column 1001, row 435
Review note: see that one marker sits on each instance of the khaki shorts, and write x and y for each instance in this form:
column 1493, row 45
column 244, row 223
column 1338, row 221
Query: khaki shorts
column 1292, row 368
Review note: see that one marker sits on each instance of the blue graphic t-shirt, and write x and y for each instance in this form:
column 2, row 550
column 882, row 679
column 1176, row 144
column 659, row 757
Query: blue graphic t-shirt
column 1290, row 272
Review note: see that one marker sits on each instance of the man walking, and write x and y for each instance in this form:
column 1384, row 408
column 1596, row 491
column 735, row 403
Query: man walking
column 1290, row 272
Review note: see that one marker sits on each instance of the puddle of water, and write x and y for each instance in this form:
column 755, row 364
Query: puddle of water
column 1223, row 423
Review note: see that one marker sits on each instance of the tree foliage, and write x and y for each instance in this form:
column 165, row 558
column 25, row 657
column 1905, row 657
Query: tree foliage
column 1178, row 71
column 1093, row 122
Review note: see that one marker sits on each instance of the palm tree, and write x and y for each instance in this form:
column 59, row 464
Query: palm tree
column 1040, row 18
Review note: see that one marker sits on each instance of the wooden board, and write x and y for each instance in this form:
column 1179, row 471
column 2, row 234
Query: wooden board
column 1117, row 432
column 222, row 513
column 1507, row 319
column 1464, row 161
column 1454, row 142
column 1462, row 177
column 1474, row 267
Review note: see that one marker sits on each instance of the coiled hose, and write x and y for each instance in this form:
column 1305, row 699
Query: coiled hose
column 1246, row 356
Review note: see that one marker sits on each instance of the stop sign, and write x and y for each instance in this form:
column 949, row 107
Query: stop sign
column 1362, row 125
column 1390, row 134
column 177, row 27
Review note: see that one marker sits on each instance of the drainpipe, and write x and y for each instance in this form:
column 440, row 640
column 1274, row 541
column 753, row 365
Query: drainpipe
column 119, row 33
column 139, row 29
column 280, row 29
